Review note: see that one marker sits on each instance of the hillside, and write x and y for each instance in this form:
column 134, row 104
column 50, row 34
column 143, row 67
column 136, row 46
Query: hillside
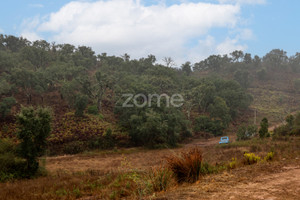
column 217, row 92
column 76, row 125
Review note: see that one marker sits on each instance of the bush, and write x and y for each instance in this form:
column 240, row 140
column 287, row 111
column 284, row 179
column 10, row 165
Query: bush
column 74, row 147
column 269, row 156
column 160, row 179
column 107, row 141
column 81, row 102
column 93, row 110
column 251, row 158
column 245, row 133
column 208, row 169
column 11, row 166
column 282, row 131
column 232, row 164
column 187, row 166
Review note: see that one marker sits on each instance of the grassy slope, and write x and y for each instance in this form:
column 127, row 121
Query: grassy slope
column 275, row 98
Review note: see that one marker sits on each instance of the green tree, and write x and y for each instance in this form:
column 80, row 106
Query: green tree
column 38, row 54
column 96, row 87
column 205, row 124
column 26, row 80
column 220, row 111
column 81, row 102
column 35, row 127
column 85, row 57
column 13, row 43
column 7, row 61
column 203, row 95
column 247, row 58
column 263, row 131
column 237, row 56
column 5, row 86
column 6, row 105
column 276, row 58
column 256, row 61
column 186, row 68
column 243, row 78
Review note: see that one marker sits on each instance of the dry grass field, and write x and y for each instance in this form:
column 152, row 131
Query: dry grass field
column 126, row 174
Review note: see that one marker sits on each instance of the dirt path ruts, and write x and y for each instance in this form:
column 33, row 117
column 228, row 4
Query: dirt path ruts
column 284, row 184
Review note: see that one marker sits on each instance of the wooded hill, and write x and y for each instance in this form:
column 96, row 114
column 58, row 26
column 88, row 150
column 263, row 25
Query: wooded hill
column 85, row 92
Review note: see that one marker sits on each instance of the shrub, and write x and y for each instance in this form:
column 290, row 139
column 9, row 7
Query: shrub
column 233, row 163
column 34, row 126
column 81, row 102
column 282, row 131
column 160, row 179
column 107, row 141
column 251, row 158
column 93, row 110
column 10, row 165
column 269, row 156
column 187, row 166
column 73, row 147
column 245, row 133
column 264, row 125
column 208, row 169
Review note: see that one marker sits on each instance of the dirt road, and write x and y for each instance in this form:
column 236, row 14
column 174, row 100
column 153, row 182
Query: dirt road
column 273, row 182
column 139, row 158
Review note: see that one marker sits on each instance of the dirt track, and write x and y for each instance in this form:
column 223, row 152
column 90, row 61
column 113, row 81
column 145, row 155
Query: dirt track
column 282, row 183
column 140, row 158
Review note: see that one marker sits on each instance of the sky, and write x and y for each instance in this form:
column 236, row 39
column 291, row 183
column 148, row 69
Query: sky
column 185, row 30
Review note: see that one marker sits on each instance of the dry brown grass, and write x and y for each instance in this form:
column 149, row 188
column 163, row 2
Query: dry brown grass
column 187, row 166
column 104, row 175
column 58, row 186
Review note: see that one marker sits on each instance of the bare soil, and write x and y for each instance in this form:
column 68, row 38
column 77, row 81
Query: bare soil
column 266, row 181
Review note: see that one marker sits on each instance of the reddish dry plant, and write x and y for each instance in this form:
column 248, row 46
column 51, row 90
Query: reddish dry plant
column 187, row 166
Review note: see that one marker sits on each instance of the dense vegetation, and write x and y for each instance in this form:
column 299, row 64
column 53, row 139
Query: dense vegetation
column 86, row 92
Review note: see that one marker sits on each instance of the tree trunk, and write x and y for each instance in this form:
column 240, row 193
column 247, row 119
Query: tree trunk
column 99, row 105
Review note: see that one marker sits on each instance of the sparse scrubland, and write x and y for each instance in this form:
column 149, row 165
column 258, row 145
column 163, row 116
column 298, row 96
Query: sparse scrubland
column 66, row 134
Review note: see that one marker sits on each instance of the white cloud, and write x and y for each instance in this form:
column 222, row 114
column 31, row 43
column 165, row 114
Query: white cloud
column 1, row 30
column 230, row 45
column 128, row 26
column 30, row 35
column 249, row 2
column 28, row 28
column 202, row 49
column 246, row 34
